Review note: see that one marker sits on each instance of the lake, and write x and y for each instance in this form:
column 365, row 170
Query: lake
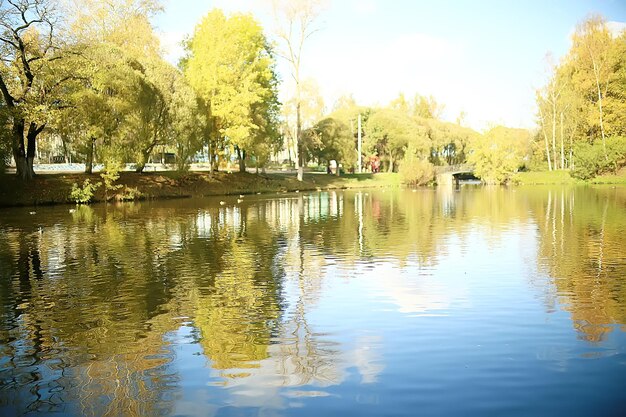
column 476, row 302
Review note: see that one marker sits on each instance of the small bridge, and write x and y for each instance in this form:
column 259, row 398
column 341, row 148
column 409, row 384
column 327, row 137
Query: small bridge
column 447, row 175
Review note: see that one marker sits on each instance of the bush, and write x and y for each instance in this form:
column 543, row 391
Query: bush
column 129, row 194
column 414, row 171
column 84, row 194
column 589, row 160
column 110, row 174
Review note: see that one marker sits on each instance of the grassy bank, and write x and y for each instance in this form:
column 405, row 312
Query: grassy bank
column 562, row 177
column 55, row 188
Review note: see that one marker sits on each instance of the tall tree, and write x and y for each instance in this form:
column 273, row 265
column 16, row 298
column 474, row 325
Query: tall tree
column 231, row 65
column 296, row 19
column 591, row 45
column 29, row 51
column 389, row 132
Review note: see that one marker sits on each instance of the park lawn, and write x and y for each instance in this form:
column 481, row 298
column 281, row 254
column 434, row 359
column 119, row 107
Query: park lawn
column 561, row 177
column 47, row 189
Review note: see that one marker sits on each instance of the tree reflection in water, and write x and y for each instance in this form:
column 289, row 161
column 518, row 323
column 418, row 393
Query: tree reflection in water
column 88, row 303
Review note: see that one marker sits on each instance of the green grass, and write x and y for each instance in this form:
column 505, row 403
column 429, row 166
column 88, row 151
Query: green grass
column 561, row 177
column 619, row 178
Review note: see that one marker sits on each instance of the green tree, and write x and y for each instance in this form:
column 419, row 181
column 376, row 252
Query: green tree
column 30, row 80
column 498, row 154
column 584, row 100
column 231, row 65
column 389, row 132
column 334, row 141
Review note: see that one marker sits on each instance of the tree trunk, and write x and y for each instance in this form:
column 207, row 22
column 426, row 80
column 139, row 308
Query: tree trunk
column 390, row 169
column 25, row 157
column 210, row 157
column 67, row 158
column 596, row 71
column 241, row 155
column 23, row 167
column 554, row 158
column 545, row 136
column 299, row 143
column 90, row 154
column 562, row 145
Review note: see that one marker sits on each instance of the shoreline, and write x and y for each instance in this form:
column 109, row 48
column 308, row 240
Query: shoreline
column 54, row 188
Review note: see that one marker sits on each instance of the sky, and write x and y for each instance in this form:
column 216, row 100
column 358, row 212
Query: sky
column 483, row 58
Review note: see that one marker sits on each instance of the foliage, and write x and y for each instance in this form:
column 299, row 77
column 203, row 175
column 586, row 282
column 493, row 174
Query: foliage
column 5, row 140
column 129, row 194
column 389, row 132
column 110, row 175
column 584, row 100
column 31, row 76
column 84, row 194
column 231, row 65
column 498, row 155
column 591, row 159
column 330, row 139
column 415, row 170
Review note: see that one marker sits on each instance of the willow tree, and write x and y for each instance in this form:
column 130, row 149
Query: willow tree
column 231, row 65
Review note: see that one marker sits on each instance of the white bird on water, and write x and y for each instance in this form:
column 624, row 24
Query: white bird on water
column 222, row 203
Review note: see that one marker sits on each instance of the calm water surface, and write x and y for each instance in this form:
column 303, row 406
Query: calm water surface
column 483, row 301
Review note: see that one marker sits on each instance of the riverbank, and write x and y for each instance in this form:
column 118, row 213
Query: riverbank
column 562, row 177
column 49, row 189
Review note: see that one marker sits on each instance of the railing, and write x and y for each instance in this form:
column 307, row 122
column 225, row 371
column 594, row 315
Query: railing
column 454, row 169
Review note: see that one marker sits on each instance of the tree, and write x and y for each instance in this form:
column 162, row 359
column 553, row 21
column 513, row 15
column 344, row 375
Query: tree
column 389, row 132
column 449, row 142
column 591, row 43
column 333, row 141
column 30, row 54
column 584, row 100
column 427, row 107
column 311, row 111
column 297, row 26
column 499, row 153
column 231, row 65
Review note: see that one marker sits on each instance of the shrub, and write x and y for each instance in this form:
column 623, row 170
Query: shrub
column 129, row 194
column 590, row 160
column 84, row 194
column 414, row 171
column 109, row 175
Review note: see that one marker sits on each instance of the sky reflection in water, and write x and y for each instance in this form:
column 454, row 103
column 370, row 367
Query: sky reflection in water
column 478, row 301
